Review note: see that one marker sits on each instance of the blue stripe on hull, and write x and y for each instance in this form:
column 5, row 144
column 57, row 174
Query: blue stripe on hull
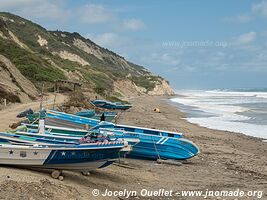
column 70, row 156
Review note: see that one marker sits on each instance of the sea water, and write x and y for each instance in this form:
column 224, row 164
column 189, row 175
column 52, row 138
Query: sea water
column 240, row 111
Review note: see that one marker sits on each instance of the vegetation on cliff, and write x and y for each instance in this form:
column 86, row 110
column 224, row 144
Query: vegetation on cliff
column 44, row 56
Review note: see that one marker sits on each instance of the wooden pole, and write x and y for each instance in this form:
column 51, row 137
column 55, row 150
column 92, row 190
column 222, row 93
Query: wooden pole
column 54, row 101
column 42, row 97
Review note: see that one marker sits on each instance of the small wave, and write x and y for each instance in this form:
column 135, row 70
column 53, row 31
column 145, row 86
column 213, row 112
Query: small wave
column 220, row 123
column 226, row 109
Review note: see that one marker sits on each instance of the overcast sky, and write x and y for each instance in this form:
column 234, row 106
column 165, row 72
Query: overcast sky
column 193, row 44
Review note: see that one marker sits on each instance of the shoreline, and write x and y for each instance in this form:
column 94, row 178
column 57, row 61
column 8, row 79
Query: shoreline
column 184, row 117
column 226, row 161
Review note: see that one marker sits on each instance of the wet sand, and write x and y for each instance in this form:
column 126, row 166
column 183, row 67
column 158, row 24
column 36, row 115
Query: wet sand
column 228, row 161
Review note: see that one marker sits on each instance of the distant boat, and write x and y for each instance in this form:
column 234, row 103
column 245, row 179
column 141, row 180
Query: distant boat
column 99, row 103
column 111, row 105
column 117, row 105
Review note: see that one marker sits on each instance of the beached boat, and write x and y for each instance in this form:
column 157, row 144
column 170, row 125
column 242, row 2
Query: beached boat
column 117, row 105
column 64, row 131
column 32, row 138
column 82, row 157
column 144, row 142
column 155, row 146
column 72, row 135
column 111, row 105
column 69, row 120
column 99, row 102
column 109, row 116
column 86, row 113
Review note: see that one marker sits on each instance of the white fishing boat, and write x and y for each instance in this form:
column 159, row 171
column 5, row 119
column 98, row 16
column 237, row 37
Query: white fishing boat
column 83, row 157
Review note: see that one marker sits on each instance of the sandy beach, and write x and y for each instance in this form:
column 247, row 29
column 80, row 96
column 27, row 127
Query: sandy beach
column 228, row 161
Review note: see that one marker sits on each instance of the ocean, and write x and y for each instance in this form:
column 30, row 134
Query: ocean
column 241, row 111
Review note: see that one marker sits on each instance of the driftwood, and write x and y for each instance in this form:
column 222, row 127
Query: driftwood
column 123, row 164
column 169, row 162
column 17, row 124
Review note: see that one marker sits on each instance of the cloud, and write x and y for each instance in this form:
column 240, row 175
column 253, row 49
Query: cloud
column 243, row 18
column 108, row 40
column 96, row 13
column 45, row 10
column 36, row 9
column 8, row 4
column 260, row 8
column 257, row 9
column 170, row 59
column 133, row 24
column 238, row 19
column 246, row 38
column 57, row 10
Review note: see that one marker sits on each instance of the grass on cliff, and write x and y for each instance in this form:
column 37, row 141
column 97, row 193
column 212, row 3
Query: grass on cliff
column 31, row 65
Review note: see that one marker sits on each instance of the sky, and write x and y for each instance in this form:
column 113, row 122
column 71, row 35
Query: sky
column 203, row 44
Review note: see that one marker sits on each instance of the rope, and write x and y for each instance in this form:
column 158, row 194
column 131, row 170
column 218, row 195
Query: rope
column 155, row 147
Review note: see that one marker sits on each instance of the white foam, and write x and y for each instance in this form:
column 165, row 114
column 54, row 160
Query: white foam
column 220, row 123
column 222, row 104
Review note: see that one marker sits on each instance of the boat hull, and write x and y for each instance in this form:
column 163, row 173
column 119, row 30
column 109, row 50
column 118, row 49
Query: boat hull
column 80, row 158
column 155, row 147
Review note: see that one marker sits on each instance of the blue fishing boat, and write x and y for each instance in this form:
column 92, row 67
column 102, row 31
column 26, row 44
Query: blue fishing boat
column 153, row 143
column 155, row 146
column 143, row 145
column 64, row 131
column 27, row 138
column 86, row 113
column 99, row 102
column 117, row 105
column 55, row 118
column 67, row 119
column 72, row 135
column 111, row 105
column 109, row 116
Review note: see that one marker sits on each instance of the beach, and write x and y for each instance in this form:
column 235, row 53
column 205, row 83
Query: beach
column 227, row 161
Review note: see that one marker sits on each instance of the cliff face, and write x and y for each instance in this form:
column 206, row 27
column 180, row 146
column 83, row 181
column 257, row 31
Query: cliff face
column 44, row 56
column 162, row 88
column 13, row 85
column 128, row 88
